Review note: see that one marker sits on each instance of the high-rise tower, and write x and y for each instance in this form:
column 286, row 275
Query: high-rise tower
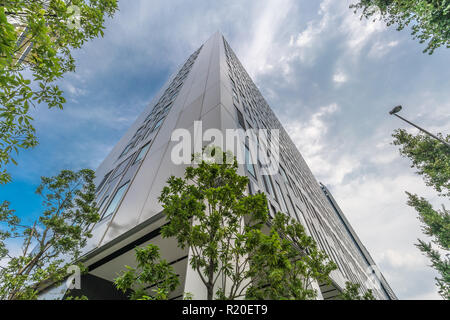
column 212, row 87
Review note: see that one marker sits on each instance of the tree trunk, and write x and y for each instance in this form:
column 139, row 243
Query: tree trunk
column 210, row 286
column 210, row 292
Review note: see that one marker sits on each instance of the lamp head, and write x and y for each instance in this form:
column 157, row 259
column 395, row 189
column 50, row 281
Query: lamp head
column 395, row 110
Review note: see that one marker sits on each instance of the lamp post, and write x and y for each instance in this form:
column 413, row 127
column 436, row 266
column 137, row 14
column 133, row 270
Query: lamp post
column 398, row 108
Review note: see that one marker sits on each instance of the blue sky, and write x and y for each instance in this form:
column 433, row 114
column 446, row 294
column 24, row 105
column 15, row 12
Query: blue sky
column 330, row 78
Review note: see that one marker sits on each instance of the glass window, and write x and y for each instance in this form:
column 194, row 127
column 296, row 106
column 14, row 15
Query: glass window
column 103, row 181
column 158, row 124
column 283, row 202
column 149, row 116
column 158, row 114
column 127, row 148
column 250, row 190
column 293, row 207
column 248, row 163
column 103, row 203
column 142, row 153
column 167, row 107
column 122, row 166
column 138, row 131
column 299, row 213
column 233, row 84
column 115, row 201
column 235, row 95
column 269, row 180
column 274, row 211
column 293, row 186
column 240, row 118
column 283, row 173
column 267, row 183
column 148, row 133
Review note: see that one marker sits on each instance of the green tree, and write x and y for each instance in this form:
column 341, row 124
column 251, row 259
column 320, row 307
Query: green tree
column 286, row 263
column 209, row 211
column 54, row 241
column 429, row 19
column 431, row 158
column 150, row 271
column 351, row 292
column 52, row 29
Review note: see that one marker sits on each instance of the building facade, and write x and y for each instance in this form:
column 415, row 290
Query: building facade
column 212, row 87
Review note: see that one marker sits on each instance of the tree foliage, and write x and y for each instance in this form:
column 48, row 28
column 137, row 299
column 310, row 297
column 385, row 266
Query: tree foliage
column 286, row 263
column 52, row 29
column 150, row 271
column 429, row 19
column 209, row 211
column 351, row 292
column 53, row 241
column 431, row 158
column 206, row 211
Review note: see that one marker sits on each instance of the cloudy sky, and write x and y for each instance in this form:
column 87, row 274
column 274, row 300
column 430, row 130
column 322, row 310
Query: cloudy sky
column 330, row 78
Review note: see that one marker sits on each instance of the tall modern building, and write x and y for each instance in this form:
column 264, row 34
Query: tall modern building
column 212, row 87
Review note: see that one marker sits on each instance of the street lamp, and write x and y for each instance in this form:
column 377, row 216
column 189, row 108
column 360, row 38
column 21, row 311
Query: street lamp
column 398, row 108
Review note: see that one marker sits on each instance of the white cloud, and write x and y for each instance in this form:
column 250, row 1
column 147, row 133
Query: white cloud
column 339, row 77
column 307, row 37
column 383, row 153
column 380, row 48
column 305, row 44
column 271, row 18
column 359, row 32
column 75, row 91
column 402, row 260
column 308, row 135
column 310, row 138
